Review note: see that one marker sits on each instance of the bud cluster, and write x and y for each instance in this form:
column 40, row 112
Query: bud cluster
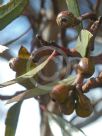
column 70, row 99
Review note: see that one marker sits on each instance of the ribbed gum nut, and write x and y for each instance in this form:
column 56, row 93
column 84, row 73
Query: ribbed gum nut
column 68, row 106
column 59, row 93
column 67, row 19
column 83, row 107
column 86, row 67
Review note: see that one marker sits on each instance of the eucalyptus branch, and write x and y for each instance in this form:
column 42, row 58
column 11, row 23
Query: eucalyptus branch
column 89, row 15
column 92, row 83
column 96, row 6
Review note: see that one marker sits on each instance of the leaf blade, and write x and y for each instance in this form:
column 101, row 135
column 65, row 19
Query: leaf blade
column 28, row 94
column 68, row 81
column 83, row 42
column 40, row 91
column 67, row 128
column 74, row 8
column 12, row 119
column 29, row 74
column 10, row 11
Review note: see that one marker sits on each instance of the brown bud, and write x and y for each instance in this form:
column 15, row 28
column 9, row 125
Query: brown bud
column 83, row 105
column 67, row 19
column 60, row 93
column 18, row 65
column 68, row 106
column 86, row 67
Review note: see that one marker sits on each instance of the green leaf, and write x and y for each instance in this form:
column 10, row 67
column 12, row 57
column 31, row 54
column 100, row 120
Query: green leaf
column 74, row 8
column 38, row 91
column 12, row 119
column 68, row 81
column 28, row 94
column 29, row 74
column 83, row 42
column 63, row 127
column 10, row 11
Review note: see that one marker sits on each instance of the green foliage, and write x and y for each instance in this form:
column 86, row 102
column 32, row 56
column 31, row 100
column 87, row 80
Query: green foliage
column 83, row 42
column 38, row 91
column 63, row 126
column 10, row 11
column 27, row 75
column 12, row 119
column 68, row 81
column 28, row 94
column 74, row 8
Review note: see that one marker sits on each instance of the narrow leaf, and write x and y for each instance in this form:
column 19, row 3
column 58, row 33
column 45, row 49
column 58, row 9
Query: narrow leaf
column 83, row 42
column 61, row 125
column 3, row 48
column 68, row 81
column 38, row 91
column 74, row 8
column 12, row 119
column 10, row 11
column 28, row 94
column 29, row 74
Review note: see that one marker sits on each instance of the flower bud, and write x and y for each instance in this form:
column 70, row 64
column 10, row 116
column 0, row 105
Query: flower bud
column 83, row 105
column 68, row 106
column 67, row 19
column 86, row 67
column 60, row 93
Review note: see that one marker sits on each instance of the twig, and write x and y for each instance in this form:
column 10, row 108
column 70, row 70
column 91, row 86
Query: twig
column 94, row 29
column 97, row 59
column 92, row 83
column 55, row 7
column 89, row 15
column 70, row 52
column 96, row 6
column 2, row 97
column 29, row 13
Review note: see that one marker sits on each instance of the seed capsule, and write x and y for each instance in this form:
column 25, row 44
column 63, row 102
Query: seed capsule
column 67, row 19
column 60, row 93
column 83, row 105
column 86, row 67
column 68, row 106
